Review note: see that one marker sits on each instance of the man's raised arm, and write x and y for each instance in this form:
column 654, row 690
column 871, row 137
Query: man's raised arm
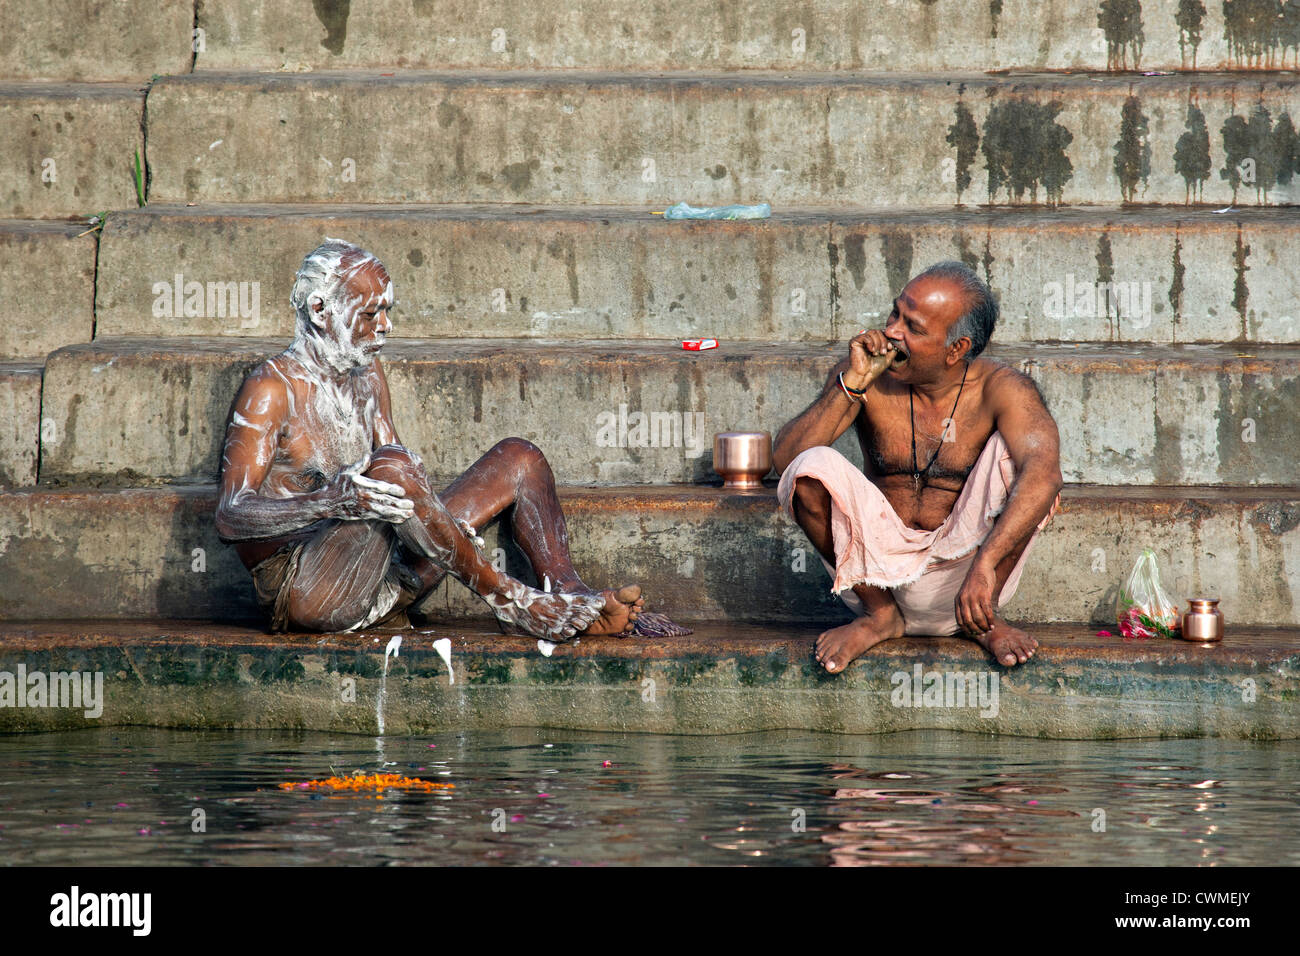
column 826, row 419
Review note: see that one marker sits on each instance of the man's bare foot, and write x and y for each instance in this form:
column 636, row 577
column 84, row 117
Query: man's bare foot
column 622, row 607
column 840, row 646
column 1008, row 645
column 552, row 616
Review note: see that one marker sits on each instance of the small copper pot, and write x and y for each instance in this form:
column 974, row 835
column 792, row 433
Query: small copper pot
column 742, row 458
column 1203, row 622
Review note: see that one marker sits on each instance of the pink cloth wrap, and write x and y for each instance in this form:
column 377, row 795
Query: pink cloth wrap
column 924, row 569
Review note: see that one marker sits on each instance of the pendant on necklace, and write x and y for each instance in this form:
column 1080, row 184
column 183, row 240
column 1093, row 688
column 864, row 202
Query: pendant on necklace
column 916, row 481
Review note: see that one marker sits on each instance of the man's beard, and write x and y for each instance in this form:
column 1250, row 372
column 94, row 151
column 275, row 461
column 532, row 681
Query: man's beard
column 335, row 348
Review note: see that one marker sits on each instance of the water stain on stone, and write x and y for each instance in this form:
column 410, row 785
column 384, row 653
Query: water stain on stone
column 1254, row 30
column 1240, row 290
column 995, row 11
column 519, row 176
column 1176, row 284
column 1024, row 150
column 716, row 172
column 1121, row 22
column 1192, row 154
column 1189, row 18
column 447, row 114
column 896, row 250
column 964, row 251
column 1167, row 449
column 1106, row 278
column 963, row 136
column 562, row 247
column 833, row 255
column 855, row 258
column 333, row 15
column 415, row 257
column 1132, row 150
column 766, row 260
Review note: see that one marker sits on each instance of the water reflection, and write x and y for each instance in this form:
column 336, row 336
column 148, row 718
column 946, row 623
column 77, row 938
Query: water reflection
column 558, row 797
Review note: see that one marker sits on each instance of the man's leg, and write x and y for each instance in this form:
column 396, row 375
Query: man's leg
column 1008, row 645
column 513, row 473
column 340, row 575
column 881, row 620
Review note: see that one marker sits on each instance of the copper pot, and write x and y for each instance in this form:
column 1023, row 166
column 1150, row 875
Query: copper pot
column 1203, row 622
column 742, row 458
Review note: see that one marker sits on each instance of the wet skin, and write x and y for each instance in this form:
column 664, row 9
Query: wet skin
column 995, row 398
column 311, row 455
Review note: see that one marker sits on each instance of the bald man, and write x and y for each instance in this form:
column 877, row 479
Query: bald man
column 962, row 471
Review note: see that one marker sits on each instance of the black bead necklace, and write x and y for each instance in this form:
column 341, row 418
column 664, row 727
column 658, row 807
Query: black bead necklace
column 911, row 410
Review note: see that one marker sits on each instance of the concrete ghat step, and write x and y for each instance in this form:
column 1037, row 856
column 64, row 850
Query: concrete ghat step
column 702, row 34
column 127, row 409
column 92, row 40
column 699, row 552
column 69, row 147
column 878, row 140
column 47, row 287
column 20, row 414
column 719, row 680
column 1185, row 275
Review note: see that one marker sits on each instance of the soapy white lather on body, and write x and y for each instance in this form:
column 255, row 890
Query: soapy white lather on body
column 337, row 520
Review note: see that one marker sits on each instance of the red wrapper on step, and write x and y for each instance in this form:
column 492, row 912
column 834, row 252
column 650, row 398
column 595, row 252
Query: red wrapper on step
column 699, row 345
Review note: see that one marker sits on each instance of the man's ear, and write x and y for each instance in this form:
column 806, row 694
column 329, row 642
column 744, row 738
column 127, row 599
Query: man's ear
column 316, row 305
column 958, row 350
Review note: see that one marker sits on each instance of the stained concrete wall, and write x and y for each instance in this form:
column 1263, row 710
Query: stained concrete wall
column 789, row 139
column 1172, row 275
column 699, row 553
column 132, row 410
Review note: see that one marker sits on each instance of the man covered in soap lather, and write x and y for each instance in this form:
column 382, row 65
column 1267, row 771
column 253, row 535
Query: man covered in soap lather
column 337, row 520
column 962, row 471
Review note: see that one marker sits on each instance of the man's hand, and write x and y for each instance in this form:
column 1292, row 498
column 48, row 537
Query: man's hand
column 354, row 497
column 974, row 604
column 861, row 348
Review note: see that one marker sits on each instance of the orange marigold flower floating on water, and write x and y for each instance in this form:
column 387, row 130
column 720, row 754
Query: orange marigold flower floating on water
column 359, row 781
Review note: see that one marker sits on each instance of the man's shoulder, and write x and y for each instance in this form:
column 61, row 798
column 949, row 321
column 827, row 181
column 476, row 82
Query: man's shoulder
column 273, row 378
column 1006, row 388
column 1001, row 379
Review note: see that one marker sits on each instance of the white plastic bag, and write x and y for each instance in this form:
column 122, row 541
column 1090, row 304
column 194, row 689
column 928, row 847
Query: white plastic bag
column 1143, row 609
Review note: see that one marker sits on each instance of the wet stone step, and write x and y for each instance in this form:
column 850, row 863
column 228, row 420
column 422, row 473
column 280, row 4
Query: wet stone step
column 845, row 138
column 700, row 34
column 123, row 410
column 722, row 679
column 699, row 552
column 1108, row 274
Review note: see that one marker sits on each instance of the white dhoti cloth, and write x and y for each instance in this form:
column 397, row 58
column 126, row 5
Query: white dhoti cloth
column 924, row 570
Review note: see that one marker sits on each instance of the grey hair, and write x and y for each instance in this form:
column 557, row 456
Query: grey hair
column 320, row 274
column 981, row 315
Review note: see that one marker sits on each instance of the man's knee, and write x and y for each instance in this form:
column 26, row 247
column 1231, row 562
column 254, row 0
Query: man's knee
column 520, row 452
column 398, row 466
column 810, row 498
